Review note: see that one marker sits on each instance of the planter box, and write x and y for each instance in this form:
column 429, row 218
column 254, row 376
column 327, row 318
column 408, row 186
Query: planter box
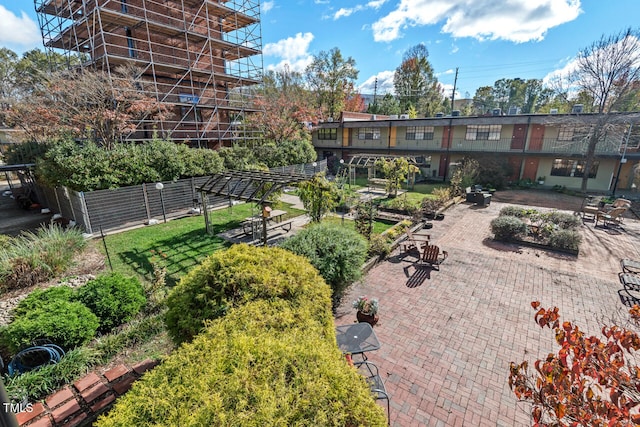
column 539, row 246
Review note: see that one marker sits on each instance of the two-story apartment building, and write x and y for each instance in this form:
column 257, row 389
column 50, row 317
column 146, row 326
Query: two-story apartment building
column 534, row 145
column 200, row 57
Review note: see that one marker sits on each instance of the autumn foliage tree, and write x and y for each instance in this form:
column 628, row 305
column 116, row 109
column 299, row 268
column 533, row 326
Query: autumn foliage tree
column 285, row 106
column 590, row 381
column 85, row 104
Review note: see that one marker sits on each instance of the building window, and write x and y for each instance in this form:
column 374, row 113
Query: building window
column 565, row 133
column 325, row 134
column 123, row 6
column 419, row 132
column 572, row 168
column 130, row 43
column 483, row 132
column 369, row 133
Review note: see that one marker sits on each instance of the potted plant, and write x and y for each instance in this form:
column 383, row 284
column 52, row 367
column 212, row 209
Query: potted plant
column 367, row 310
column 541, row 180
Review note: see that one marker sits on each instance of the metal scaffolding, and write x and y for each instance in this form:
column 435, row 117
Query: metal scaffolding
column 201, row 57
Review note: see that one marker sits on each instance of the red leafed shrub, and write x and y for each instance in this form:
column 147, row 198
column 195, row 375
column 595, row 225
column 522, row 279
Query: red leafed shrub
column 590, row 381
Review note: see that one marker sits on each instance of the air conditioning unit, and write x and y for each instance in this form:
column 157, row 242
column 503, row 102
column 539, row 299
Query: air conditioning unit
column 553, row 111
column 455, row 113
column 393, row 116
column 439, row 114
column 496, row 112
column 577, row 109
column 404, row 116
column 513, row 111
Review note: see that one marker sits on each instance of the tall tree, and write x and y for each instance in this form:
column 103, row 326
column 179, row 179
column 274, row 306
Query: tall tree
column 285, row 107
column 484, row 100
column 85, row 104
column 8, row 63
column 415, row 83
column 332, row 78
column 608, row 72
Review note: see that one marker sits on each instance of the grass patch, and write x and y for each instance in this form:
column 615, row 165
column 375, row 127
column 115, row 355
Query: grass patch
column 378, row 225
column 178, row 245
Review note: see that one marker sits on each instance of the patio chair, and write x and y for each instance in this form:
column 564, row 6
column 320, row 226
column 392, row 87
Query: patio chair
column 630, row 266
column 432, row 255
column 376, row 384
column 613, row 217
column 414, row 242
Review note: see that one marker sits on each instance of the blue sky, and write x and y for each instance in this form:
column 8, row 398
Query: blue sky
column 485, row 39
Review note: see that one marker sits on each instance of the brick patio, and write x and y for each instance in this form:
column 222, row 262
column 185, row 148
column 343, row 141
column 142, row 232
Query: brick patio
column 448, row 336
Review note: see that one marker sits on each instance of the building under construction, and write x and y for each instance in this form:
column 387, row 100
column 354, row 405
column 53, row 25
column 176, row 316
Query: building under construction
column 201, row 57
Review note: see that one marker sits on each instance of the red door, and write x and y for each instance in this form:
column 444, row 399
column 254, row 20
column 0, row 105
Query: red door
column 443, row 165
column 444, row 143
column 518, row 137
column 530, row 169
column 537, row 138
column 516, row 165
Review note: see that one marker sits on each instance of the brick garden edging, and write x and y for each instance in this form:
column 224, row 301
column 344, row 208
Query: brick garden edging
column 87, row 398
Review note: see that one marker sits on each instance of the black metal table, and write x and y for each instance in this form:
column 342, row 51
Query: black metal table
column 357, row 338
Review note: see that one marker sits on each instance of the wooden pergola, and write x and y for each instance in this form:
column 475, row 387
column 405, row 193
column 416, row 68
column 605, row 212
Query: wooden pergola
column 249, row 186
column 368, row 161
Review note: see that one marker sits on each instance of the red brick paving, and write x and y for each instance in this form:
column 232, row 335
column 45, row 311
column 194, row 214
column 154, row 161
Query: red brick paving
column 448, row 336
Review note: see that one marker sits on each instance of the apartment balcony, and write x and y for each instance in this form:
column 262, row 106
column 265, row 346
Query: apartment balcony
column 546, row 147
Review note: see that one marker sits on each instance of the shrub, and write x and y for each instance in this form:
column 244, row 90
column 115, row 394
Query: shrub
column 507, row 227
column 236, row 276
column 564, row 220
column 379, row 246
column 115, row 299
column 35, row 257
column 513, row 211
column 337, row 252
column 67, row 324
column 42, row 297
column 565, row 240
column 266, row 363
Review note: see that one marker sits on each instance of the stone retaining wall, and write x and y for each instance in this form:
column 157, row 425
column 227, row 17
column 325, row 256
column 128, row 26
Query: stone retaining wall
column 81, row 403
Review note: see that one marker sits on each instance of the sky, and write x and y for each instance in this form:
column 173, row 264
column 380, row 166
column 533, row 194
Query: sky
column 484, row 40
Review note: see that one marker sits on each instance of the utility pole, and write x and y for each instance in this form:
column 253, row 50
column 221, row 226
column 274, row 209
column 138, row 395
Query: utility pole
column 453, row 93
column 453, row 96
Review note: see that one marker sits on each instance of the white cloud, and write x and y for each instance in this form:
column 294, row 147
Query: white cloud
column 513, row 20
column 293, row 51
column 267, row 6
column 344, row 12
column 18, row 30
column 384, row 84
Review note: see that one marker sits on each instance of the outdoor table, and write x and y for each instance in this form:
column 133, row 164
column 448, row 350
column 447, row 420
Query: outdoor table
column 357, row 338
column 249, row 225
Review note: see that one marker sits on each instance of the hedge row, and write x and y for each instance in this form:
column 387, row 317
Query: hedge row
column 271, row 359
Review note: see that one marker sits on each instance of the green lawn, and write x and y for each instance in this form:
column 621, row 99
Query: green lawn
column 177, row 245
column 378, row 226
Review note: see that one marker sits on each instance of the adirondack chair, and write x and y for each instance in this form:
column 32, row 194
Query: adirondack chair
column 414, row 242
column 432, row 255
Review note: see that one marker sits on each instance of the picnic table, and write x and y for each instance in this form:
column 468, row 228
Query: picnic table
column 253, row 225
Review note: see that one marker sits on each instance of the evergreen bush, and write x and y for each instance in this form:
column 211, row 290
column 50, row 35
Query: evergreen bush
column 507, row 227
column 336, row 251
column 67, row 324
column 236, row 276
column 42, row 297
column 568, row 240
column 266, row 363
column 114, row 298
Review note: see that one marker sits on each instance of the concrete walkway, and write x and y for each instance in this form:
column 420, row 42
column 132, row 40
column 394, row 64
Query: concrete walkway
column 448, row 336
